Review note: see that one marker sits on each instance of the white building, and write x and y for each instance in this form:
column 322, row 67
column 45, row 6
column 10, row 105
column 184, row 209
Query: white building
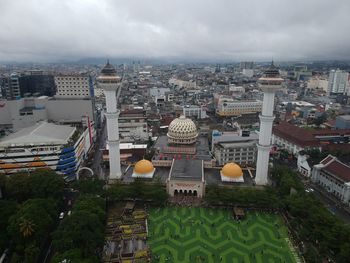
column 338, row 82
column 194, row 111
column 230, row 107
column 233, row 147
column 77, row 86
column 45, row 145
column 317, row 83
column 25, row 112
column 187, row 84
column 334, row 177
column 303, row 165
column 248, row 72
column 133, row 126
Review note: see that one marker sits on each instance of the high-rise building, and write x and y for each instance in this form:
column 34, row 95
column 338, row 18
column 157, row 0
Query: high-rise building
column 269, row 83
column 246, row 65
column 37, row 82
column 110, row 83
column 10, row 87
column 78, row 86
column 338, row 82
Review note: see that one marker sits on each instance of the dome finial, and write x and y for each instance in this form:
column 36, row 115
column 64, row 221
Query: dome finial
column 107, row 61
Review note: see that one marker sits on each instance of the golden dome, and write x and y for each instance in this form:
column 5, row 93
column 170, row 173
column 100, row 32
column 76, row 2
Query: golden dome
column 143, row 167
column 232, row 170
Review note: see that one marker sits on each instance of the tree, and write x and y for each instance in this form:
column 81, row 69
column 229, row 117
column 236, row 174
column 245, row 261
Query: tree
column 90, row 186
column 83, row 230
column 7, row 209
column 72, row 256
column 30, row 226
column 45, row 183
column 17, row 187
column 26, row 227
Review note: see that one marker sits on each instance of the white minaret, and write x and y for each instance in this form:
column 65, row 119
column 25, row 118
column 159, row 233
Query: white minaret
column 269, row 83
column 110, row 83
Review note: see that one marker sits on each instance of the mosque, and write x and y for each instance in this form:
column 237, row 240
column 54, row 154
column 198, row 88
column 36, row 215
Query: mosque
column 186, row 160
column 182, row 159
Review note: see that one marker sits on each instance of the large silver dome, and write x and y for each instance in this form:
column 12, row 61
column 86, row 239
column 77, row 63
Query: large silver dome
column 182, row 131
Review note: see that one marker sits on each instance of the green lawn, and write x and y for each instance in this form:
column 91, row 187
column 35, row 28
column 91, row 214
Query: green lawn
column 208, row 235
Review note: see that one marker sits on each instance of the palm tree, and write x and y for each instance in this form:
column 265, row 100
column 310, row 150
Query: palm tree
column 26, row 227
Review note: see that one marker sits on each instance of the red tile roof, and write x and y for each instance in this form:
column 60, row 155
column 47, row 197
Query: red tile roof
column 303, row 137
column 294, row 134
column 339, row 169
column 327, row 159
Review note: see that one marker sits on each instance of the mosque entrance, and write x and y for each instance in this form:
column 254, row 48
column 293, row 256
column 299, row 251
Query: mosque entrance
column 185, row 192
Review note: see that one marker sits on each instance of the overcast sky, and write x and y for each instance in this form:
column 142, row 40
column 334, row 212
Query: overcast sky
column 49, row 31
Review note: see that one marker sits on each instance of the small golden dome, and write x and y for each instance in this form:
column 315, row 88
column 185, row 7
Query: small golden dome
column 232, row 170
column 143, row 167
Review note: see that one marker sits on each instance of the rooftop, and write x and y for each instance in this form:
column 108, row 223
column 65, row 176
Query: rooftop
column 40, row 133
column 186, row 170
column 337, row 168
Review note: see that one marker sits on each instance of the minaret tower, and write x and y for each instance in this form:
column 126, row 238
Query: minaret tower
column 109, row 81
column 269, row 83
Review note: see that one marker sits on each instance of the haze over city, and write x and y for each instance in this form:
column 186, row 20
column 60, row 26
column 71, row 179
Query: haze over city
column 70, row 30
column 184, row 131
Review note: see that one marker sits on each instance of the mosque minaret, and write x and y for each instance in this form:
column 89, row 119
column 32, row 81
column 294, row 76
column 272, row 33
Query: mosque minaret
column 269, row 83
column 109, row 81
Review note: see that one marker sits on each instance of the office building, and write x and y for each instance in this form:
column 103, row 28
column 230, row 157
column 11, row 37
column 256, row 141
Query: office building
column 228, row 107
column 238, row 147
column 10, row 87
column 37, row 82
column 195, row 111
column 77, row 86
column 338, row 82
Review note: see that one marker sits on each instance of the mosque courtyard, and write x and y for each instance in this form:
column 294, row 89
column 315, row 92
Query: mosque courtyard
column 197, row 234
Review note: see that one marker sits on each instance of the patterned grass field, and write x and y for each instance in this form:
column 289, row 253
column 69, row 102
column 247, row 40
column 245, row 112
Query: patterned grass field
column 211, row 235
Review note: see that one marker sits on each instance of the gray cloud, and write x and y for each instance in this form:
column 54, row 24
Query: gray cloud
column 48, row 30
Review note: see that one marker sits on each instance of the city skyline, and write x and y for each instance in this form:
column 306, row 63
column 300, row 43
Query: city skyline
column 63, row 31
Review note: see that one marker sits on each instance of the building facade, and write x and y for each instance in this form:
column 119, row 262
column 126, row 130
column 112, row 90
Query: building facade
column 133, row 126
column 230, row 107
column 338, row 82
column 232, row 147
column 45, row 145
column 78, row 86
column 333, row 176
column 25, row 112
column 10, row 87
column 196, row 111
column 342, row 122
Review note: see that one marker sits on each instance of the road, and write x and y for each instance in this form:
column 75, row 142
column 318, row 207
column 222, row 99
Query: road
column 97, row 157
column 68, row 194
column 332, row 204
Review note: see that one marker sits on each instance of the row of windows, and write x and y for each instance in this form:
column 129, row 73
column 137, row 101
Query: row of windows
column 72, row 78
column 75, row 94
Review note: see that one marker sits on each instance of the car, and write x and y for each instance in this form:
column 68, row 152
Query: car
column 61, row 215
column 69, row 213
